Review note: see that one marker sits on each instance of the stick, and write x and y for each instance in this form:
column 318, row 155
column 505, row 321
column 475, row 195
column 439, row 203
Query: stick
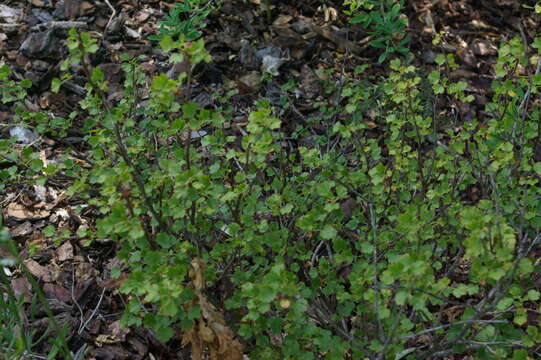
column 112, row 15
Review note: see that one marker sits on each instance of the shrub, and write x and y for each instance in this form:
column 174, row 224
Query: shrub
column 364, row 243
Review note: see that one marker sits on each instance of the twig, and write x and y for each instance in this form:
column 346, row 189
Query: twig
column 83, row 326
column 112, row 15
column 81, row 313
column 436, row 328
column 80, row 353
column 314, row 255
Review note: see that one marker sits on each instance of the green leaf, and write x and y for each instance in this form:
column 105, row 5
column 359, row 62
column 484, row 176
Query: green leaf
column 537, row 168
column 49, row 230
column 533, row 295
column 164, row 333
column 116, row 272
column 36, row 165
column 401, row 297
column 504, row 303
column 328, row 232
column 440, row 59
column 165, row 240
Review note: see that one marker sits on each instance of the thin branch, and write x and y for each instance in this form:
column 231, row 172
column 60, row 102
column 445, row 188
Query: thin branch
column 81, row 328
column 112, row 15
column 436, row 328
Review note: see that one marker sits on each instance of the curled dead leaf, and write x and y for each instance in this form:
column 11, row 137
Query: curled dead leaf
column 211, row 331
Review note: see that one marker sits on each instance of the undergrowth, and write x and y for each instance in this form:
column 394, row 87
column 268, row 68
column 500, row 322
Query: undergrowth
column 353, row 237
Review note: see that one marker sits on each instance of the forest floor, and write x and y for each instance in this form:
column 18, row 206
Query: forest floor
column 311, row 36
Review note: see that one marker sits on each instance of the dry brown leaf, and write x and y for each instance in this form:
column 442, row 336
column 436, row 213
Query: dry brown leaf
column 23, row 229
column 211, row 331
column 20, row 211
column 65, row 252
column 282, row 19
column 41, row 272
column 58, row 292
column 205, row 333
column 191, row 337
column 21, row 286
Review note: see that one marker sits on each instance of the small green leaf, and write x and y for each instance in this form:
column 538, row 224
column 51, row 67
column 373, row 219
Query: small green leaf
column 533, row 295
column 49, row 231
column 537, row 168
column 36, row 165
column 328, row 232
column 165, row 240
column 401, row 297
